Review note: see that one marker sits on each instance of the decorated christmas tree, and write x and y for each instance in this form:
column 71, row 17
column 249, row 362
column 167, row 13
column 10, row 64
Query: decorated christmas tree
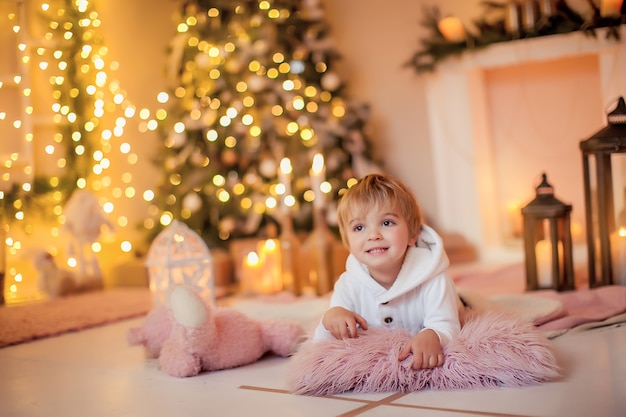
column 253, row 99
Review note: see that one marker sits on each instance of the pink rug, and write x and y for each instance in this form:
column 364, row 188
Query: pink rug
column 22, row 323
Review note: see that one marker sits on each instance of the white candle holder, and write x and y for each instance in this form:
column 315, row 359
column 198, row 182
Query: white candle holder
column 179, row 256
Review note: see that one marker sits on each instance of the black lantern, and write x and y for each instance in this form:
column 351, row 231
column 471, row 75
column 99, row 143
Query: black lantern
column 605, row 243
column 548, row 241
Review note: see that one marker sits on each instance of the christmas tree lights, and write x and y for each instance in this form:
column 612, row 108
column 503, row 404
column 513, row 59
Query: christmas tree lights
column 252, row 87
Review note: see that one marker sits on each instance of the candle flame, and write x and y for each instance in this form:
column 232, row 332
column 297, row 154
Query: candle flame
column 285, row 166
column 252, row 258
column 270, row 244
column 622, row 232
column 318, row 163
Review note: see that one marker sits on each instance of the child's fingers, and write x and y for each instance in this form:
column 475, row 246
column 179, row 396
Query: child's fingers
column 405, row 352
column 350, row 330
column 419, row 361
column 432, row 361
column 361, row 321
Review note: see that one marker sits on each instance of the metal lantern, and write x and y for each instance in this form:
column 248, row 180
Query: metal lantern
column 605, row 177
column 178, row 255
column 548, row 241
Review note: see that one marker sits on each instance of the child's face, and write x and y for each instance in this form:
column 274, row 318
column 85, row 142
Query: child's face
column 379, row 239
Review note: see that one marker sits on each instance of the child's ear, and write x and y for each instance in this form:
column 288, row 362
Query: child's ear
column 413, row 241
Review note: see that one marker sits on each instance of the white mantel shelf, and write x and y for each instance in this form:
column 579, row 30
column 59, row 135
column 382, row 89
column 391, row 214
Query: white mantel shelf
column 459, row 121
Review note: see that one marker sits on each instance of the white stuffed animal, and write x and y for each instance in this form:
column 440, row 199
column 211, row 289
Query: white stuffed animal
column 58, row 282
column 84, row 219
column 51, row 280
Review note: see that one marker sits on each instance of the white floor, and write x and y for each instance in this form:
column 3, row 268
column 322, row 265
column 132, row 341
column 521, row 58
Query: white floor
column 95, row 373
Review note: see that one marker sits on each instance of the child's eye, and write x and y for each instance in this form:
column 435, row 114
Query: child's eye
column 357, row 228
column 388, row 223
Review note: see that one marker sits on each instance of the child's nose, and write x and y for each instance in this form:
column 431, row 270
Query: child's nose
column 375, row 234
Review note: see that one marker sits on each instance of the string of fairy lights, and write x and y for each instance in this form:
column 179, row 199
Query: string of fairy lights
column 89, row 114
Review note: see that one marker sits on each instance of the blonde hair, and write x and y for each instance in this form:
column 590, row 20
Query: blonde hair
column 375, row 190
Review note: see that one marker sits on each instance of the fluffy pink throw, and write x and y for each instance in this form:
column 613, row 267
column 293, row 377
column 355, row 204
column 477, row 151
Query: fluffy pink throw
column 493, row 349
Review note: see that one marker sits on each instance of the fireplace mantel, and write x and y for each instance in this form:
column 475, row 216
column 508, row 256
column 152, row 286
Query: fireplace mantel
column 460, row 124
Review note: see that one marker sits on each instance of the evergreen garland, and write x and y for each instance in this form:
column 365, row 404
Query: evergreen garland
column 436, row 48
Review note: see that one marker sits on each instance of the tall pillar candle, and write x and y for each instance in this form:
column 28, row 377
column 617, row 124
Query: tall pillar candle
column 250, row 272
column 270, row 280
column 317, row 174
column 284, row 177
column 618, row 256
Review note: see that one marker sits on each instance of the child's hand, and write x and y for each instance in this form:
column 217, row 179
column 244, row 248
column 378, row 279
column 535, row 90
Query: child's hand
column 342, row 323
column 426, row 350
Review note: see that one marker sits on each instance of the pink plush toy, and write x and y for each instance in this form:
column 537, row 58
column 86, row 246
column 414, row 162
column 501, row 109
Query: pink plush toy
column 191, row 337
column 153, row 332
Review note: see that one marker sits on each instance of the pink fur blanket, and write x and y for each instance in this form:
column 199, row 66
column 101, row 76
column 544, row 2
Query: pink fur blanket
column 493, row 349
column 585, row 306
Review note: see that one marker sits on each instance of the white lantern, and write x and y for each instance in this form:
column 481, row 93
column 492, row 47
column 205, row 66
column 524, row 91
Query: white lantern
column 178, row 255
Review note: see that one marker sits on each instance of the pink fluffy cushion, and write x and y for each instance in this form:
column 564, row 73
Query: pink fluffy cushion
column 492, row 349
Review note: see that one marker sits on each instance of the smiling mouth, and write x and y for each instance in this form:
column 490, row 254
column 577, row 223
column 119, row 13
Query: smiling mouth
column 377, row 250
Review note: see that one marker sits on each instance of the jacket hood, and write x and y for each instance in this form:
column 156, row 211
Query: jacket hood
column 427, row 259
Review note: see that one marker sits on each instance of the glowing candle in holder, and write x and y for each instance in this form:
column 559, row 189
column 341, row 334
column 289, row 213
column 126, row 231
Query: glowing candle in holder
column 317, row 173
column 289, row 245
column 452, row 29
column 284, row 176
column 547, row 241
column 250, row 271
column 179, row 256
column 270, row 280
column 545, row 269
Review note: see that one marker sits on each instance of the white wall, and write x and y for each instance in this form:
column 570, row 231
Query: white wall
column 376, row 39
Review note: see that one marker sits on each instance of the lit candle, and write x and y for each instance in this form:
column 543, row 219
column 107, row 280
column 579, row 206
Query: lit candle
column 452, row 29
column 528, row 14
column 618, row 256
column 546, row 8
column 270, row 280
column 250, row 271
column 284, row 176
column 317, row 173
column 610, row 8
column 543, row 252
column 512, row 18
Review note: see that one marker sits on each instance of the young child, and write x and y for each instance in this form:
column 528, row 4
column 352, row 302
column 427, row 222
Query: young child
column 395, row 274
